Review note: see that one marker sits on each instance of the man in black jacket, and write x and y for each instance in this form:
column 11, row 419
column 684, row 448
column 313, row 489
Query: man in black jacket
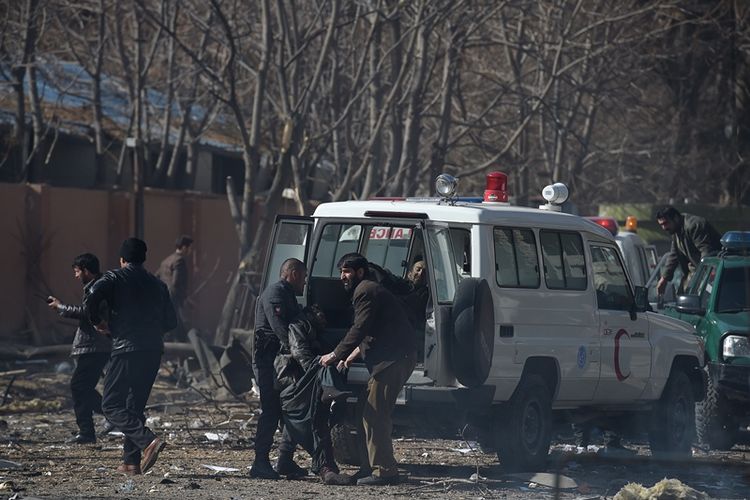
column 275, row 308
column 140, row 312
column 90, row 350
column 383, row 335
column 693, row 238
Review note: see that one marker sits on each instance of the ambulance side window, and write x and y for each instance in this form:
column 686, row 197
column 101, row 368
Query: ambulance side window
column 336, row 241
column 564, row 263
column 612, row 288
column 516, row 262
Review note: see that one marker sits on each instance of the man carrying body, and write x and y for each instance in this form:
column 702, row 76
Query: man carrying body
column 383, row 335
column 140, row 312
column 174, row 272
column 693, row 238
column 275, row 308
column 90, row 349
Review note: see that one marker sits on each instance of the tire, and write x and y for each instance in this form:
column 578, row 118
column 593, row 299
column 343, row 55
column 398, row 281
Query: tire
column 672, row 426
column 345, row 443
column 473, row 332
column 714, row 425
column 523, row 429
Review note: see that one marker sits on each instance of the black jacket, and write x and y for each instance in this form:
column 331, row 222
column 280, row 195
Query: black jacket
column 381, row 325
column 87, row 339
column 276, row 307
column 695, row 238
column 140, row 310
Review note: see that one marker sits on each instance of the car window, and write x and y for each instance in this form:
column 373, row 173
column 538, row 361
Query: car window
column 612, row 289
column 707, row 286
column 564, row 263
column 734, row 295
column 516, row 263
column 386, row 246
column 461, row 239
column 444, row 268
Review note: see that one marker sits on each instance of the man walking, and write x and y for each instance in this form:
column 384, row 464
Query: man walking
column 174, row 272
column 693, row 238
column 90, row 350
column 275, row 308
column 383, row 335
column 140, row 312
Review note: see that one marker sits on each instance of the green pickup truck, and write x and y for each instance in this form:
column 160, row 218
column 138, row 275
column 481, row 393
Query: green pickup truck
column 717, row 303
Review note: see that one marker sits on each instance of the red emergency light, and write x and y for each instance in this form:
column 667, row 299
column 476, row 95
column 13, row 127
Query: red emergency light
column 496, row 188
column 608, row 223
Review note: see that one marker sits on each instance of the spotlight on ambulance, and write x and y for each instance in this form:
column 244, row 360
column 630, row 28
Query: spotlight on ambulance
column 556, row 194
column 446, row 185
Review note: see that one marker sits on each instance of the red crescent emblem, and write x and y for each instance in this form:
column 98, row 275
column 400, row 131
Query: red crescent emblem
column 618, row 371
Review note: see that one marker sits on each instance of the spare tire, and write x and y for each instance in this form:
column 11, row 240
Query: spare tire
column 473, row 337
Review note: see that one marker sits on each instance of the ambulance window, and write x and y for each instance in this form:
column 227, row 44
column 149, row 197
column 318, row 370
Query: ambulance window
column 564, row 263
column 336, row 241
column 388, row 247
column 516, row 258
column 461, row 239
column 612, row 288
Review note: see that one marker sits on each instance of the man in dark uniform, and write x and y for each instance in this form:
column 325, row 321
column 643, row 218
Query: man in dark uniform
column 275, row 308
column 140, row 312
column 384, row 337
column 90, row 350
column 174, row 272
column 693, row 238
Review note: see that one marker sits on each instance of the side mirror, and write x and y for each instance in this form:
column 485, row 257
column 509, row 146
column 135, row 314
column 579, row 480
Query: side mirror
column 641, row 299
column 689, row 304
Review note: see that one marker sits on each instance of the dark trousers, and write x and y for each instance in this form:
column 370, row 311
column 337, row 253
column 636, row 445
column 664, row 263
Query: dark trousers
column 382, row 391
column 270, row 406
column 86, row 399
column 127, row 387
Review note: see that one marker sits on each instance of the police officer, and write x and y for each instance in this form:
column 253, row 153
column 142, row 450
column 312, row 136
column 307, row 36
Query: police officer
column 276, row 307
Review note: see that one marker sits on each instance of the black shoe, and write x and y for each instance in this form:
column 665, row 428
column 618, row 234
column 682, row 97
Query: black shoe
column 286, row 466
column 333, row 477
column 81, row 439
column 262, row 469
column 373, row 480
column 107, row 427
column 362, row 472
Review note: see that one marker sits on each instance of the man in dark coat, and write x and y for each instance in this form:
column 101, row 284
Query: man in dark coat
column 275, row 308
column 693, row 238
column 140, row 312
column 383, row 335
column 90, row 350
column 174, row 272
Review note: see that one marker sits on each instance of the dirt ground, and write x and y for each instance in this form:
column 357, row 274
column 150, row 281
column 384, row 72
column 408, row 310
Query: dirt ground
column 210, row 449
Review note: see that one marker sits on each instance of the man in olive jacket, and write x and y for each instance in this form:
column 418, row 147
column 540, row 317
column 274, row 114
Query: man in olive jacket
column 140, row 312
column 693, row 238
column 90, row 350
column 384, row 337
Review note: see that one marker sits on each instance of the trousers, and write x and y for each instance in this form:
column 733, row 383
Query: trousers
column 86, row 399
column 127, row 386
column 270, row 406
column 382, row 391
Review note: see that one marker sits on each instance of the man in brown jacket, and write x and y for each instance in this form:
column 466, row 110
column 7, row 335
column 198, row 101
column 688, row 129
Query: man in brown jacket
column 173, row 271
column 384, row 337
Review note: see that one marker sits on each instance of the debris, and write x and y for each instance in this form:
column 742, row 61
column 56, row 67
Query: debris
column 7, row 486
column 64, row 367
column 166, row 480
column 666, row 489
column 127, row 487
column 192, row 486
column 219, row 468
column 476, row 477
column 216, row 436
column 545, row 479
column 8, row 465
column 425, row 455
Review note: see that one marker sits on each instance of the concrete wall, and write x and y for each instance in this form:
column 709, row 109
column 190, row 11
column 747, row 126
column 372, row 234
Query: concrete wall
column 43, row 228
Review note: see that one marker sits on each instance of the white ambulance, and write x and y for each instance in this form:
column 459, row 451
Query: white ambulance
column 532, row 319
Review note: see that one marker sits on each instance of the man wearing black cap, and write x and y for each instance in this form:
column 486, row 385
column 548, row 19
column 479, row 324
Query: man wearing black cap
column 174, row 272
column 140, row 312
